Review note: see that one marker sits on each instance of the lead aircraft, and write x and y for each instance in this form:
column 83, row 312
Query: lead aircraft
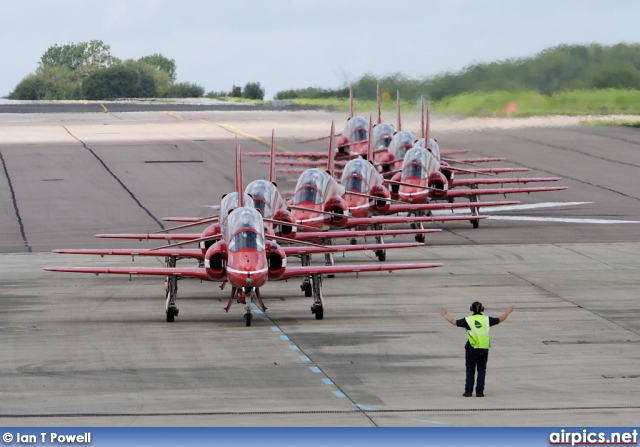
column 246, row 257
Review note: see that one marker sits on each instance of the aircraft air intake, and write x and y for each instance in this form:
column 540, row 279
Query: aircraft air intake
column 215, row 261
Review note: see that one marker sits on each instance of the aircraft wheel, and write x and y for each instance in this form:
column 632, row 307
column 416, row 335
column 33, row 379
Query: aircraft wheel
column 382, row 255
column 475, row 223
column 420, row 238
column 308, row 290
column 247, row 319
column 319, row 313
column 170, row 317
column 353, row 241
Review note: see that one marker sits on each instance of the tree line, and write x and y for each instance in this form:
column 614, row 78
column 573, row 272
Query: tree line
column 88, row 70
column 561, row 68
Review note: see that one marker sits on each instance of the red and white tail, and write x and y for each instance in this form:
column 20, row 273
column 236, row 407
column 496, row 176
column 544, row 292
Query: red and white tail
column 378, row 101
column 370, row 148
column 238, row 175
column 398, row 109
column 350, row 100
column 426, row 125
column 330, row 163
column 422, row 129
column 272, row 162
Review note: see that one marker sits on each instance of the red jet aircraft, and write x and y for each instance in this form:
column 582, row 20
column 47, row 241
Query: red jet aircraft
column 247, row 260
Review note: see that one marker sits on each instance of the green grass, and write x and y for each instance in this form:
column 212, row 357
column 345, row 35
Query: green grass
column 494, row 104
column 576, row 102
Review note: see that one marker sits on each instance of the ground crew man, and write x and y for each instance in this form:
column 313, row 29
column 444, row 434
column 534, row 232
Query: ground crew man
column 478, row 343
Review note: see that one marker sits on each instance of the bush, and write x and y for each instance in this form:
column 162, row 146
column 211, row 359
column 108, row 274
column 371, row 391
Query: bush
column 119, row 81
column 253, row 91
column 186, row 90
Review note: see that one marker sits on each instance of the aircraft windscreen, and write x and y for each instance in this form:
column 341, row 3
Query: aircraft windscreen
column 262, row 193
column 382, row 136
column 246, row 239
column 434, row 148
column 355, row 183
column 416, row 162
column 308, row 194
column 355, row 175
column 402, row 141
column 358, row 129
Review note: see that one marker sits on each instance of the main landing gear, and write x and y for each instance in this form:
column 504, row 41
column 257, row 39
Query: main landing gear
column 317, row 308
column 171, row 292
column 381, row 254
column 474, row 209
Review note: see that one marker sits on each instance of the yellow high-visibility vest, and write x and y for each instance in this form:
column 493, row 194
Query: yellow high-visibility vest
column 479, row 333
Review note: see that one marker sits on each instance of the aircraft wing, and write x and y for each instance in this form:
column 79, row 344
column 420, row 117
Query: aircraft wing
column 348, row 247
column 195, row 253
column 486, row 170
column 493, row 181
column 291, row 272
column 382, row 220
column 198, row 273
column 152, row 236
column 287, row 154
column 314, row 235
column 412, row 207
column 479, row 192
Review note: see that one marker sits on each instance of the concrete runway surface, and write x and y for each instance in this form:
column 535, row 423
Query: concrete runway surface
column 81, row 350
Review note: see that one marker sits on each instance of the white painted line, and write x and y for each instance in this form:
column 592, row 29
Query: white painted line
column 521, row 207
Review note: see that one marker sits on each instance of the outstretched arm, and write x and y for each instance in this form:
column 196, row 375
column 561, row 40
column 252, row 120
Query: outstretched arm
column 446, row 316
column 506, row 313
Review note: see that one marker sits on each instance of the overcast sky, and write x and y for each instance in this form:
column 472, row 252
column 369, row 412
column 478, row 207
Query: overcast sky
column 301, row 43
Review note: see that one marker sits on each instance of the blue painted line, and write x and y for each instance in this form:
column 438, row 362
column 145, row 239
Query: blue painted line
column 327, row 381
column 284, row 337
column 275, row 329
column 362, row 407
column 315, row 369
column 294, row 348
column 339, row 394
column 304, row 358
column 428, row 421
column 258, row 311
column 266, row 320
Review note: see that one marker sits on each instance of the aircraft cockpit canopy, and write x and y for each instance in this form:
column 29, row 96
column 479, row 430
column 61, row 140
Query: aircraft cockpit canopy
column 416, row 163
column 311, row 187
column 382, row 136
column 264, row 195
column 230, row 202
column 356, row 175
column 358, row 129
column 401, row 143
column 247, row 230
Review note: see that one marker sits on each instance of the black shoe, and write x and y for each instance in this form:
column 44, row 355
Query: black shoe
column 467, row 394
column 479, row 395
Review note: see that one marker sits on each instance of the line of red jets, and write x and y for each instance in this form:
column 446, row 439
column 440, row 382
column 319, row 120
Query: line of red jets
column 248, row 243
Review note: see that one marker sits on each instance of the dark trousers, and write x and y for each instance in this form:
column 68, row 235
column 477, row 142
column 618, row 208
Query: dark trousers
column 475, row 358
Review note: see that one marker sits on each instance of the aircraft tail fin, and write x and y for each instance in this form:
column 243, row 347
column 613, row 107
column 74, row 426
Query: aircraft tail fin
column 272, row 160
column 398, row 110
column 330, row 163
column 238, row 175
column 370, row 145
column 350, row 100
column 426, row 124
column 422, row 128
column 378, row 101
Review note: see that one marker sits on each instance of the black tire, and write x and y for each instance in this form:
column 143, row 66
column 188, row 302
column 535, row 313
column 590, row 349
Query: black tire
column 171, row 316
column 247, row 319
column 420, row 238
column 382, row 255
column 475, row 223
column 308, row 290
column 319, row 313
